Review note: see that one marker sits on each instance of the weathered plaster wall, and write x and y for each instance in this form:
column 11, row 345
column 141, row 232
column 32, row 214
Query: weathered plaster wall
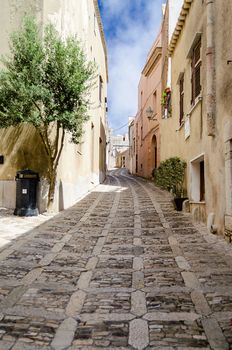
column 83, row 166
column 199, row 144
column 149, row 95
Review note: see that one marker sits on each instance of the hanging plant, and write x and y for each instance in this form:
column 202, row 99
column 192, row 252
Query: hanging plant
column 166, row 101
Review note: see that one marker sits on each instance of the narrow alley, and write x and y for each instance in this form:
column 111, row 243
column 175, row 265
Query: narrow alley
column 121, row 269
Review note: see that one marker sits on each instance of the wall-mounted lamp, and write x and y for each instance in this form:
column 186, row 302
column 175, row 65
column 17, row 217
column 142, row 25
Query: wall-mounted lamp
column 150, row 113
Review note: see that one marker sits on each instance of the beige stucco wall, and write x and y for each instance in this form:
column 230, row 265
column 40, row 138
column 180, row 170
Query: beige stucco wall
column 146, row 130
column 81, row 167
column 199, row 144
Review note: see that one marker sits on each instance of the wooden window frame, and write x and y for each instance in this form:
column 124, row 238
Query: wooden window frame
column 196, row 71
column 181, row 99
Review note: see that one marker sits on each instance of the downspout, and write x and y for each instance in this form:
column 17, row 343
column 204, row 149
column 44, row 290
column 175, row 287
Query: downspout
column 210, row 69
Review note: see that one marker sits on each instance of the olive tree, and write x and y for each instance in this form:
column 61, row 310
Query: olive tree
column 46, row 81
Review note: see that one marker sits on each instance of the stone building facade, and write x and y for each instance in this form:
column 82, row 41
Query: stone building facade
column 155, row 79
column 146, row 123
column 118, row 151
column 81, row 167
column 200, row 128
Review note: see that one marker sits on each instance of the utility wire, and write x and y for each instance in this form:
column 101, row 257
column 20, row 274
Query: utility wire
column 120, row 127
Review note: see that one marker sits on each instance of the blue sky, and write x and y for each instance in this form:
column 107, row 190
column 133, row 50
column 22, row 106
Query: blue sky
column 130, row 27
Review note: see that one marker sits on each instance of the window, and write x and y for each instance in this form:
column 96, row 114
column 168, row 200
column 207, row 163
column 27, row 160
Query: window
column 100, row 88
column 202, row 181
column 197, row 171
column 141, row 135
column 196, row 71
column 181, row 87
column 155, row 103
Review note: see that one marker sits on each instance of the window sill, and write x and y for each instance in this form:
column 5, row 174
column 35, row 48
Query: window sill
column 197, row 202
column 181, row 125
column 193, row 107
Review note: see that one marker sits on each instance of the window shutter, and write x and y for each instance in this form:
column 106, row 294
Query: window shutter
column 197, row 53
column 181, row 99
column 197, row 80
column 196, row 72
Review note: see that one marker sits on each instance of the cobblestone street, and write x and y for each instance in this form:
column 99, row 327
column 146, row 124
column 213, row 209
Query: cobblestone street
column 121, row 269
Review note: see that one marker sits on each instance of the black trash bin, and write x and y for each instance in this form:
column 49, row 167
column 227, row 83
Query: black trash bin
column 26, row 189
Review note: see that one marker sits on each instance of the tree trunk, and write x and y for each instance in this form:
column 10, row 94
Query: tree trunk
column 51, row 191
column 53, row 148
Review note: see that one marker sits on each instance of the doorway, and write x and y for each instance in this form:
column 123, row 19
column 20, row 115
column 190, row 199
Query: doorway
column 154, row 161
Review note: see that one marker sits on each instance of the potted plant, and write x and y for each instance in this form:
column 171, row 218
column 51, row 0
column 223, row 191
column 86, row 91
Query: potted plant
column 180, row 195
column 170, row 176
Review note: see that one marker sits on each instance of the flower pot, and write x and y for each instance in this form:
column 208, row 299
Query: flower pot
column 179, row 202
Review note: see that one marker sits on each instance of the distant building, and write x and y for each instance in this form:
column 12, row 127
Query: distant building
column 118, row 151
column 132, row 155
column 81, row 167
column 146, row 135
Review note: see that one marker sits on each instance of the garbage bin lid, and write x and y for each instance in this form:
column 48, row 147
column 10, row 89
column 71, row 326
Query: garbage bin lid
column 27, row 174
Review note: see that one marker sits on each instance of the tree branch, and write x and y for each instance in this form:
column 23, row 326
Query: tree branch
column 44, row 142
column 57, row 139
column 37, row 106
column 60, row 150
column 47, row 139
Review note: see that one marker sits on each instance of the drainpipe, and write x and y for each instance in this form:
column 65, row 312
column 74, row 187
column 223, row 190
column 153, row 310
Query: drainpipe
column 210, row 69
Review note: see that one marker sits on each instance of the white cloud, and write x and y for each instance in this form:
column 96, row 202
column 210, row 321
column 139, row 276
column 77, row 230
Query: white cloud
column 131, row 27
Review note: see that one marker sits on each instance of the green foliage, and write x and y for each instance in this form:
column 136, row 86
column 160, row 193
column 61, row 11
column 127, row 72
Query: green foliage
column 46, row 80
column 170, row 176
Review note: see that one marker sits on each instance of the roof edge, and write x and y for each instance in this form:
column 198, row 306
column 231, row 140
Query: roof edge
column 99, row 20
column 179, row 25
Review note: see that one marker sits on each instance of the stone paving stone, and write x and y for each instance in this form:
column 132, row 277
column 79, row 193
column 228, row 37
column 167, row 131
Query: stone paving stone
column 65, row 275
column 56, row 299
column 122, row 239
column 169, row 302
column 158, row 250
column 173, row 333
column 107, row 279
column 37, row 331
column 12, row 271
column 102, row 302
column 154, row 240
column 102, row 334
column 163, row 279
column 114, row 262
column 159, row 262
column 139, row 337
column 138, row 303
column 31, row 312
column 118, row 249
column 214, row 334
column 66, row 259
column 23, row 346
column 138, row 263
column 200, row 302
column 214, row 279
column 64, row 335
column 123, row 269
column 5, row 345
column 154, row 232
column 219, row 301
